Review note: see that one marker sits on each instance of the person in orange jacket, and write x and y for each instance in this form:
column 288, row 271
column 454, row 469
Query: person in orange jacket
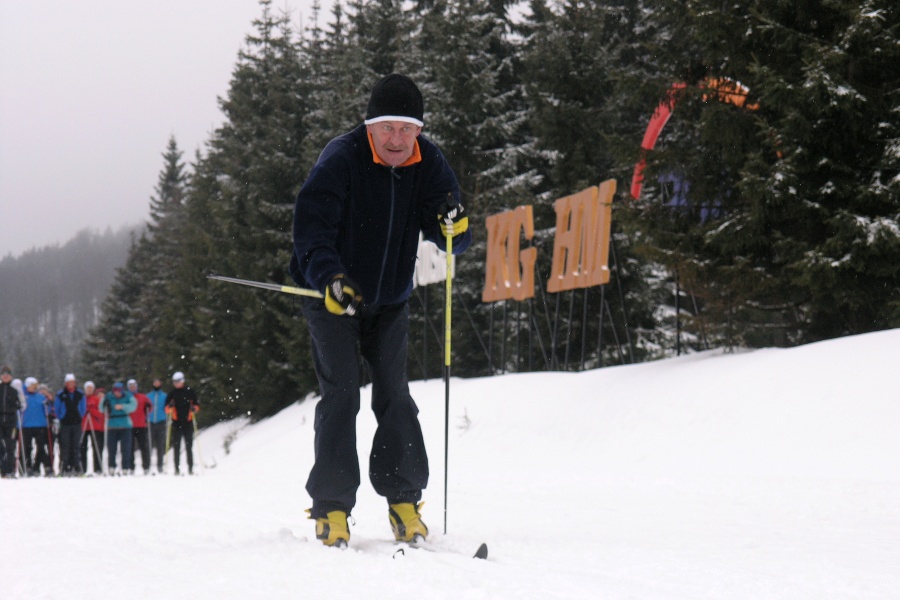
column 181, row 406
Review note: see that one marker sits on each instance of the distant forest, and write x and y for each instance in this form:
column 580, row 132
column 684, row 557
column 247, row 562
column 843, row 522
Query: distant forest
column 768, row 213
column 50, row 299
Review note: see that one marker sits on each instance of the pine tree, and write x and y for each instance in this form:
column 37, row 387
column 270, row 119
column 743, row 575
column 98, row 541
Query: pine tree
column 243, row 196
column 107, row 354
column 364, row 43
column 465, row 62
column 577, row 58
column 129, row 340
column 786, row 231
column 831, row 195
column 162, row 251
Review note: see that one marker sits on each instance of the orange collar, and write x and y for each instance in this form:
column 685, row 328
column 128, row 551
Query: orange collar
column 413, row 159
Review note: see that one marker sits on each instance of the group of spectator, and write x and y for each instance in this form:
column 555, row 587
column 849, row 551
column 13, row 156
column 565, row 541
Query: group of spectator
column 46, row 433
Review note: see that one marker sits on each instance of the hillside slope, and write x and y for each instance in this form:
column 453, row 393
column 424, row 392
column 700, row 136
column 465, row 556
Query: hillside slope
column 765, row 474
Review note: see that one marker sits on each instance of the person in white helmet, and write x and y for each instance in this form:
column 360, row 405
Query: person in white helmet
column 66, row 408
column 181, row 406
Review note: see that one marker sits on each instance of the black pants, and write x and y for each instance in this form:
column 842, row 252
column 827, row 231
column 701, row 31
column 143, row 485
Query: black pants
column 141, row 442
column 116, row 438
column 398, row 464
column 69, row 449
column 183, row 430
column 9, row 439
column 36, row 440
column 90, row 436
column 158, row 442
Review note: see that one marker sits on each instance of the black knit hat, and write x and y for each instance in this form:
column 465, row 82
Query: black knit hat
column 395, row 98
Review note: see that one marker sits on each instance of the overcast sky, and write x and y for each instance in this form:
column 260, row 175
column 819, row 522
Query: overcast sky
column 91, row 91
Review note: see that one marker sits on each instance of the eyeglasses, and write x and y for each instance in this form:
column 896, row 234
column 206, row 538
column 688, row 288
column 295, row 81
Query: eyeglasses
column 388, row 129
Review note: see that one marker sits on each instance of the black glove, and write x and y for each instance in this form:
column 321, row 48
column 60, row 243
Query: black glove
column 453, row 219
column 342, row 296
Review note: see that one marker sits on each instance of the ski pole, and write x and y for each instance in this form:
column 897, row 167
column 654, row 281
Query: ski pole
column 197, row 440
column 287, row 289
column 49, row 435
column 448, row 293
column 95, row 449
column 168, row 440
column 106, row 414
column 20, row 460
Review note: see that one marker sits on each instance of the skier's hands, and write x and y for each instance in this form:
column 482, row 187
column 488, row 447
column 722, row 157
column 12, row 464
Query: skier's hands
column 453, row 219
column 342, row 296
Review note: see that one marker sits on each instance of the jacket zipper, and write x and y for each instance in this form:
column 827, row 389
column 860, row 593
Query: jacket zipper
column 384, row 257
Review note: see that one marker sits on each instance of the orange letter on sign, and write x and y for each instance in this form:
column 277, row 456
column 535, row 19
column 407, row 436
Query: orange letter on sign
column 509, row 271
column 581, row 245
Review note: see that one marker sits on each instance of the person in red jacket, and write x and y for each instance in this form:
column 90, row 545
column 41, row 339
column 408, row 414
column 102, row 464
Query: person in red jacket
column 93, row 428
column 139, row 423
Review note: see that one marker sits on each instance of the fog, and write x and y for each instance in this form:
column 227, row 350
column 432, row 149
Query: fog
column 90, row 93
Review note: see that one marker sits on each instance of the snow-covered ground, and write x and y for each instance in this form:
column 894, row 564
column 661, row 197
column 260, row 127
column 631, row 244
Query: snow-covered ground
column 765, row 474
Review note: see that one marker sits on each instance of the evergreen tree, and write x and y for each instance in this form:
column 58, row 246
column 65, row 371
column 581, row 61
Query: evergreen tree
column 108, row 350
column 578, row 57
column 243, row 198
column 162, row 250
column 830, row 199
column 465, row 61
column 362, row 45
column 191, row 309
column 129, row 340
column 786, row 232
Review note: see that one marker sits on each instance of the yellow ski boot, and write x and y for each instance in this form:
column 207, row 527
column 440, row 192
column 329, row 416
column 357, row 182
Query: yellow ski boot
column 333, row 529
column 406, row 522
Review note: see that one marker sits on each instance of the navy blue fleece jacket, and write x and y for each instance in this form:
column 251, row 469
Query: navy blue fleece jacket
column 362, row 219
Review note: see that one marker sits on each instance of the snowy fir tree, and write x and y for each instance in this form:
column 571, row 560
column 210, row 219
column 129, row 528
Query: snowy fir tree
column 246, row 184
column 782, row 225
column 130, row 340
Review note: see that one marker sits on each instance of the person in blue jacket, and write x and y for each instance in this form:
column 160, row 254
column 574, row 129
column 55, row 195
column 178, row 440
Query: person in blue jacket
column 35, row 430
column 357, row 221
column 118, row 404
column 157, row 421
column 66, row 409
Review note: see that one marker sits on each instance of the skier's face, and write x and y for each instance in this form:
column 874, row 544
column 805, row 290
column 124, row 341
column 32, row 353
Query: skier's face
column 6, row 378
column 394, row 141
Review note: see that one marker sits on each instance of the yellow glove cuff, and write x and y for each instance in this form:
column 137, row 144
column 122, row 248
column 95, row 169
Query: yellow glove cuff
column 456, row 227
